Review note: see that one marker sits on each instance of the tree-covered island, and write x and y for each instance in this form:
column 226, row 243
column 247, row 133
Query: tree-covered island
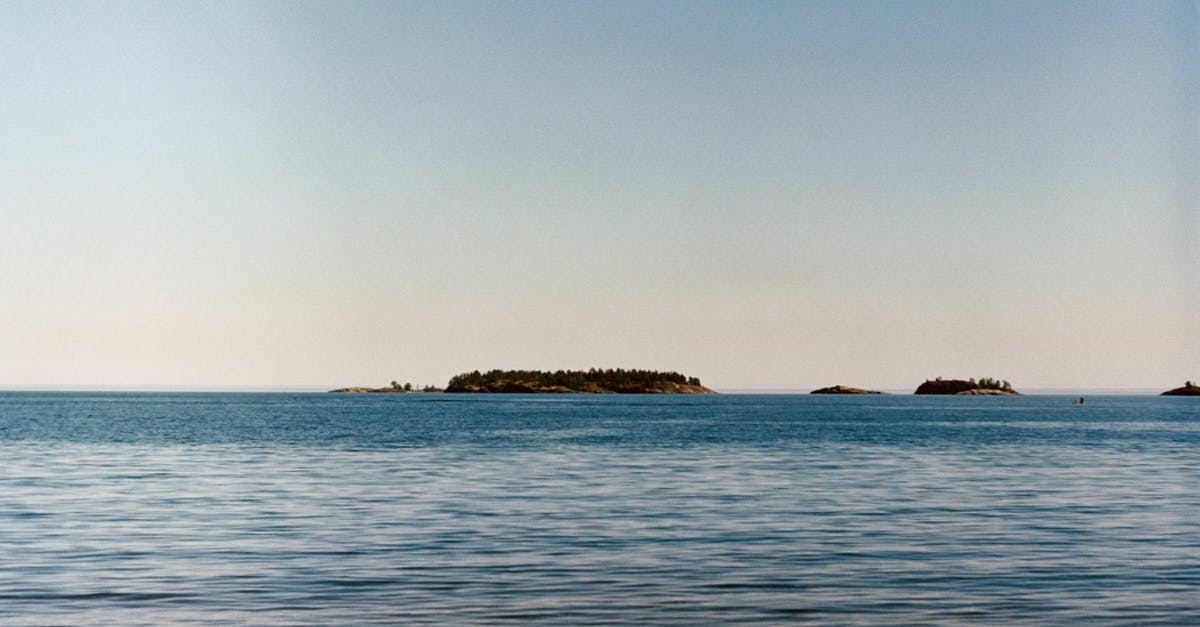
column 983, row 387
column 593, row 381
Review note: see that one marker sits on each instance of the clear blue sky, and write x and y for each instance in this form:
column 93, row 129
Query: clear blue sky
column 764, row 195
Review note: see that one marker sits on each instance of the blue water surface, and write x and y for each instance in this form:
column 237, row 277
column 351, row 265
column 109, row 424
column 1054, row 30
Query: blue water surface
column 125, row 508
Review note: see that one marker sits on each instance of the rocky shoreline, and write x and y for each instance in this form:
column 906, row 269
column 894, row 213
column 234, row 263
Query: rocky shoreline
column 1188, row 389
column 843, row 389
column 387, row 390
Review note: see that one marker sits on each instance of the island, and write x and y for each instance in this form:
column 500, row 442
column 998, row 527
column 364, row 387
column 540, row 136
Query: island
column 593, row 381
column 1188, row 389
column 394, row 388
column 970, row 387
column 842, row 389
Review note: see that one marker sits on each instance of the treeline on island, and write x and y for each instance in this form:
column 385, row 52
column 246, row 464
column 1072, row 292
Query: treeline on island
column 596, row 381
column 984, row 385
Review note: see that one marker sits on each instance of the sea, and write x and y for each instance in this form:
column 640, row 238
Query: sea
column 407, row 509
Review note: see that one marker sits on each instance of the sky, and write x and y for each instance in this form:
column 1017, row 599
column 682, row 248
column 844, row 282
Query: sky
column 766, row 195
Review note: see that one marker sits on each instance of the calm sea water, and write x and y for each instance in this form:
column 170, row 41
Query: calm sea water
column 315, row 508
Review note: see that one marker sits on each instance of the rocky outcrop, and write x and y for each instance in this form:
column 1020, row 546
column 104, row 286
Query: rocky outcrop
column 362, row 390
column 1188, row 389
column 969, row 387
column 982, row 392
column 841, row 389
column 509, row 387
column 387, row 390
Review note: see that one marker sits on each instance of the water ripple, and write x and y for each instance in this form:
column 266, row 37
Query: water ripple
column 307, row 509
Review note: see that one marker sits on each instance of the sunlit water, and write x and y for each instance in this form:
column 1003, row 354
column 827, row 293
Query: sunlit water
column 273, row 508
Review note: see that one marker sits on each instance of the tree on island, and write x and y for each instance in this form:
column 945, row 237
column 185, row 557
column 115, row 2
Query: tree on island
column 984, row 385
column 988, row 383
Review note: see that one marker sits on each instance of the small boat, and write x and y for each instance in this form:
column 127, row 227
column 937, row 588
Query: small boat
column 1078, row 401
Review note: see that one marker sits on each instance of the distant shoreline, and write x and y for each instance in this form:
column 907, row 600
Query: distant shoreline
column 315, row 389
column 908, row 391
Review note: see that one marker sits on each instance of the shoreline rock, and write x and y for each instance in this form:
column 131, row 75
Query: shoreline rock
column 983, row 392
column 842, row 389
column 386, row 390
column 1188, row 389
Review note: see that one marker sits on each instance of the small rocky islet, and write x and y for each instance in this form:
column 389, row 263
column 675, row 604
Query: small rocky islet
column 958, row 387
column 1188, row 389
column 844, row 389
column 394, row 388
column 983, row 387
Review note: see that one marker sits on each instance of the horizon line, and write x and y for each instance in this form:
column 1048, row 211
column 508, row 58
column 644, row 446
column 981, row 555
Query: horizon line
column 298, row 389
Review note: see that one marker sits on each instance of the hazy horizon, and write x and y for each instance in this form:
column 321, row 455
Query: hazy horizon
column 309, row 195
column 315, row 389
